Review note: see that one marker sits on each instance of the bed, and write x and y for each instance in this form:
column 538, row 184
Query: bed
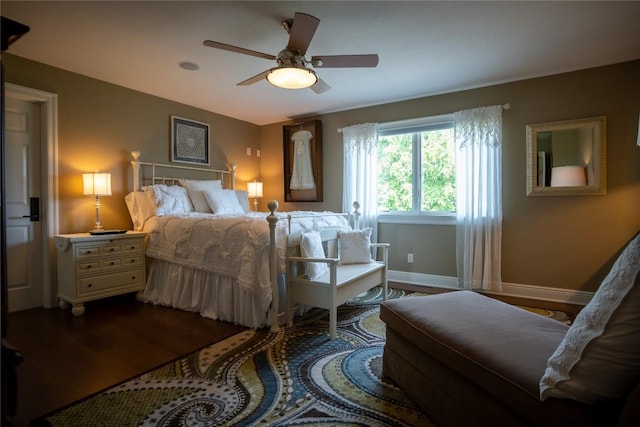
column 206, row 251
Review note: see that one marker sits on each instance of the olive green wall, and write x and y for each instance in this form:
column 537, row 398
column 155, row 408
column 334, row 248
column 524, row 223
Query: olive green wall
column 566, row 242
column 100, row 123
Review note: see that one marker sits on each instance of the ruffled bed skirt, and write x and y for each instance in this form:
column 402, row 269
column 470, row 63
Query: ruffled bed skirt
column 215, row 297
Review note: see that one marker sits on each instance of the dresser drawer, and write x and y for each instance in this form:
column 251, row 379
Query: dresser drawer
column 111, row 263
column 85, row 267
column 83, row 252
column 111, row 281
column 132, row 260
column 110, row 249
column 133, row 247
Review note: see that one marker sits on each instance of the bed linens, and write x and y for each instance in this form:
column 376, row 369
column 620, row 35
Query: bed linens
column 227, row 246
column 231, row 247
column 212, row 296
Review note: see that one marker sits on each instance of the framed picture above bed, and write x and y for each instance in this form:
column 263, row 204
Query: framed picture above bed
column 303, row 161
column 189, row 141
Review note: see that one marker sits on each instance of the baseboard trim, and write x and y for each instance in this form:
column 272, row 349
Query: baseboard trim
column 542, row 293
column 422, row 279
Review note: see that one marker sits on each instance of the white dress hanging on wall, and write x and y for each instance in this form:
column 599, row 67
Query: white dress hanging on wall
column 302, row 174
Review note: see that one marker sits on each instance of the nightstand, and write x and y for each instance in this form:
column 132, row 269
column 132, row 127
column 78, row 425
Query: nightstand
column 91, row 267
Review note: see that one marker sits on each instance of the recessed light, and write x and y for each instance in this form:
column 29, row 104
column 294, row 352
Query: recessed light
column 189, row 66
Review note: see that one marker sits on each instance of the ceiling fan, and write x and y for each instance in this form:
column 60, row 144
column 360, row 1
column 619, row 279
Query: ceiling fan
column 293, row 71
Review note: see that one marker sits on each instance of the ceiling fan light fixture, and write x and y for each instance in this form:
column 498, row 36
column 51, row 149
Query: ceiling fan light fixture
column 292, row 77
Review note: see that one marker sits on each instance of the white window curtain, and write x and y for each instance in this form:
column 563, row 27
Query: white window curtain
column 360, row 177
column 478, row 137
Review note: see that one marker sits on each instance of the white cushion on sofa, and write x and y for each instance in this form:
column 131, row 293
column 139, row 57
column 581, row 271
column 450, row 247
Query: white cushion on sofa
column 599, row 358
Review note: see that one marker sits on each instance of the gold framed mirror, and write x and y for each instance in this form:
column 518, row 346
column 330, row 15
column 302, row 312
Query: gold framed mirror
column 567, row 158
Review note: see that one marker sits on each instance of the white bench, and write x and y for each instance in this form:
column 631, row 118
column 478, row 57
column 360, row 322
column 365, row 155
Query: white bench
column 339, row 284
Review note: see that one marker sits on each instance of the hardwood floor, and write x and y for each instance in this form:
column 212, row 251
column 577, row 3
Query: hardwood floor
column 67, row 358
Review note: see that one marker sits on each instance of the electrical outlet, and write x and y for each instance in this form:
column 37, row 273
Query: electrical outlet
column 257, row 153
column 248, row 151
column 410, row 258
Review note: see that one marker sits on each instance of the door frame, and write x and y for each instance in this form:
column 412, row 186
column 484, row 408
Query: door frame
column 49, row 176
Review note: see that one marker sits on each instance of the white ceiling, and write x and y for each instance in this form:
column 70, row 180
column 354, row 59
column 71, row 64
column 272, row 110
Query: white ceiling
column 425, row 48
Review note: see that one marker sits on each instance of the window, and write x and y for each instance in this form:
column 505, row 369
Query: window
column 416, row 167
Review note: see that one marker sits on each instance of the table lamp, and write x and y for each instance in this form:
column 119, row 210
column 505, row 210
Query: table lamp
column 97, row 184
column 255, row 191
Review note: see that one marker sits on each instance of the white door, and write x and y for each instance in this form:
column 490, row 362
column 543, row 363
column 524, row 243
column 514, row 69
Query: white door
column 24, row 233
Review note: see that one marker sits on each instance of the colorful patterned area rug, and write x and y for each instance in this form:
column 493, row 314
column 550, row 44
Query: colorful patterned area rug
column 295, row 377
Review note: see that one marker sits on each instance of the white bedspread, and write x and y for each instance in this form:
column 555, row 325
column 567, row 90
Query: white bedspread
column 230, row 246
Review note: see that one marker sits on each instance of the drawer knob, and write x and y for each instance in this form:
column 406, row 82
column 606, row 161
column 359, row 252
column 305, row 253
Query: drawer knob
column 133, row 277
column 112, row 263
column 111, row 249
column 88, row 267
column 90, row 285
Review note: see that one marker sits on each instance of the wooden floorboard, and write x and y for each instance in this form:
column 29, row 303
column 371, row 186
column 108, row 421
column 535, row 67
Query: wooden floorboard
column 67, row 358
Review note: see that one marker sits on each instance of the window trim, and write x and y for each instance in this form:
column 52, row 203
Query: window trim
column 414, row 126
column 425, row 218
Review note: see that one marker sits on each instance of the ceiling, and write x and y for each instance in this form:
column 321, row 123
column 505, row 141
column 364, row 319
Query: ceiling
column 425, row 48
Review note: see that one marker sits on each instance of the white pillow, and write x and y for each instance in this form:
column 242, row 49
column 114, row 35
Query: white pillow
column 355, row 246
column 599, row 358
column 196, row 191
column 140, row 208
column 243, row 199
column 168, row 199
column 311, row 247
column 223, row 202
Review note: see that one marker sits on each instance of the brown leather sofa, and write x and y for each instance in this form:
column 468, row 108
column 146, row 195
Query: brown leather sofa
column 468, row 359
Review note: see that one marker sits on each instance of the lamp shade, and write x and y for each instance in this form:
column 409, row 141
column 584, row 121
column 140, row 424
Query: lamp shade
column 96, row 184
column 568, row 176
column 254, row 189
column 292, row 77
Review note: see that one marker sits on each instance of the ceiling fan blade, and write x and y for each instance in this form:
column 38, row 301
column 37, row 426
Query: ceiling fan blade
column 344, row 61
column 320, row 87
column 301, row 32
column 254, row 79
column 230, row 48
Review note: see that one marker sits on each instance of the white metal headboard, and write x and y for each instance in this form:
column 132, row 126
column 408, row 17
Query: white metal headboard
column 226, row 176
